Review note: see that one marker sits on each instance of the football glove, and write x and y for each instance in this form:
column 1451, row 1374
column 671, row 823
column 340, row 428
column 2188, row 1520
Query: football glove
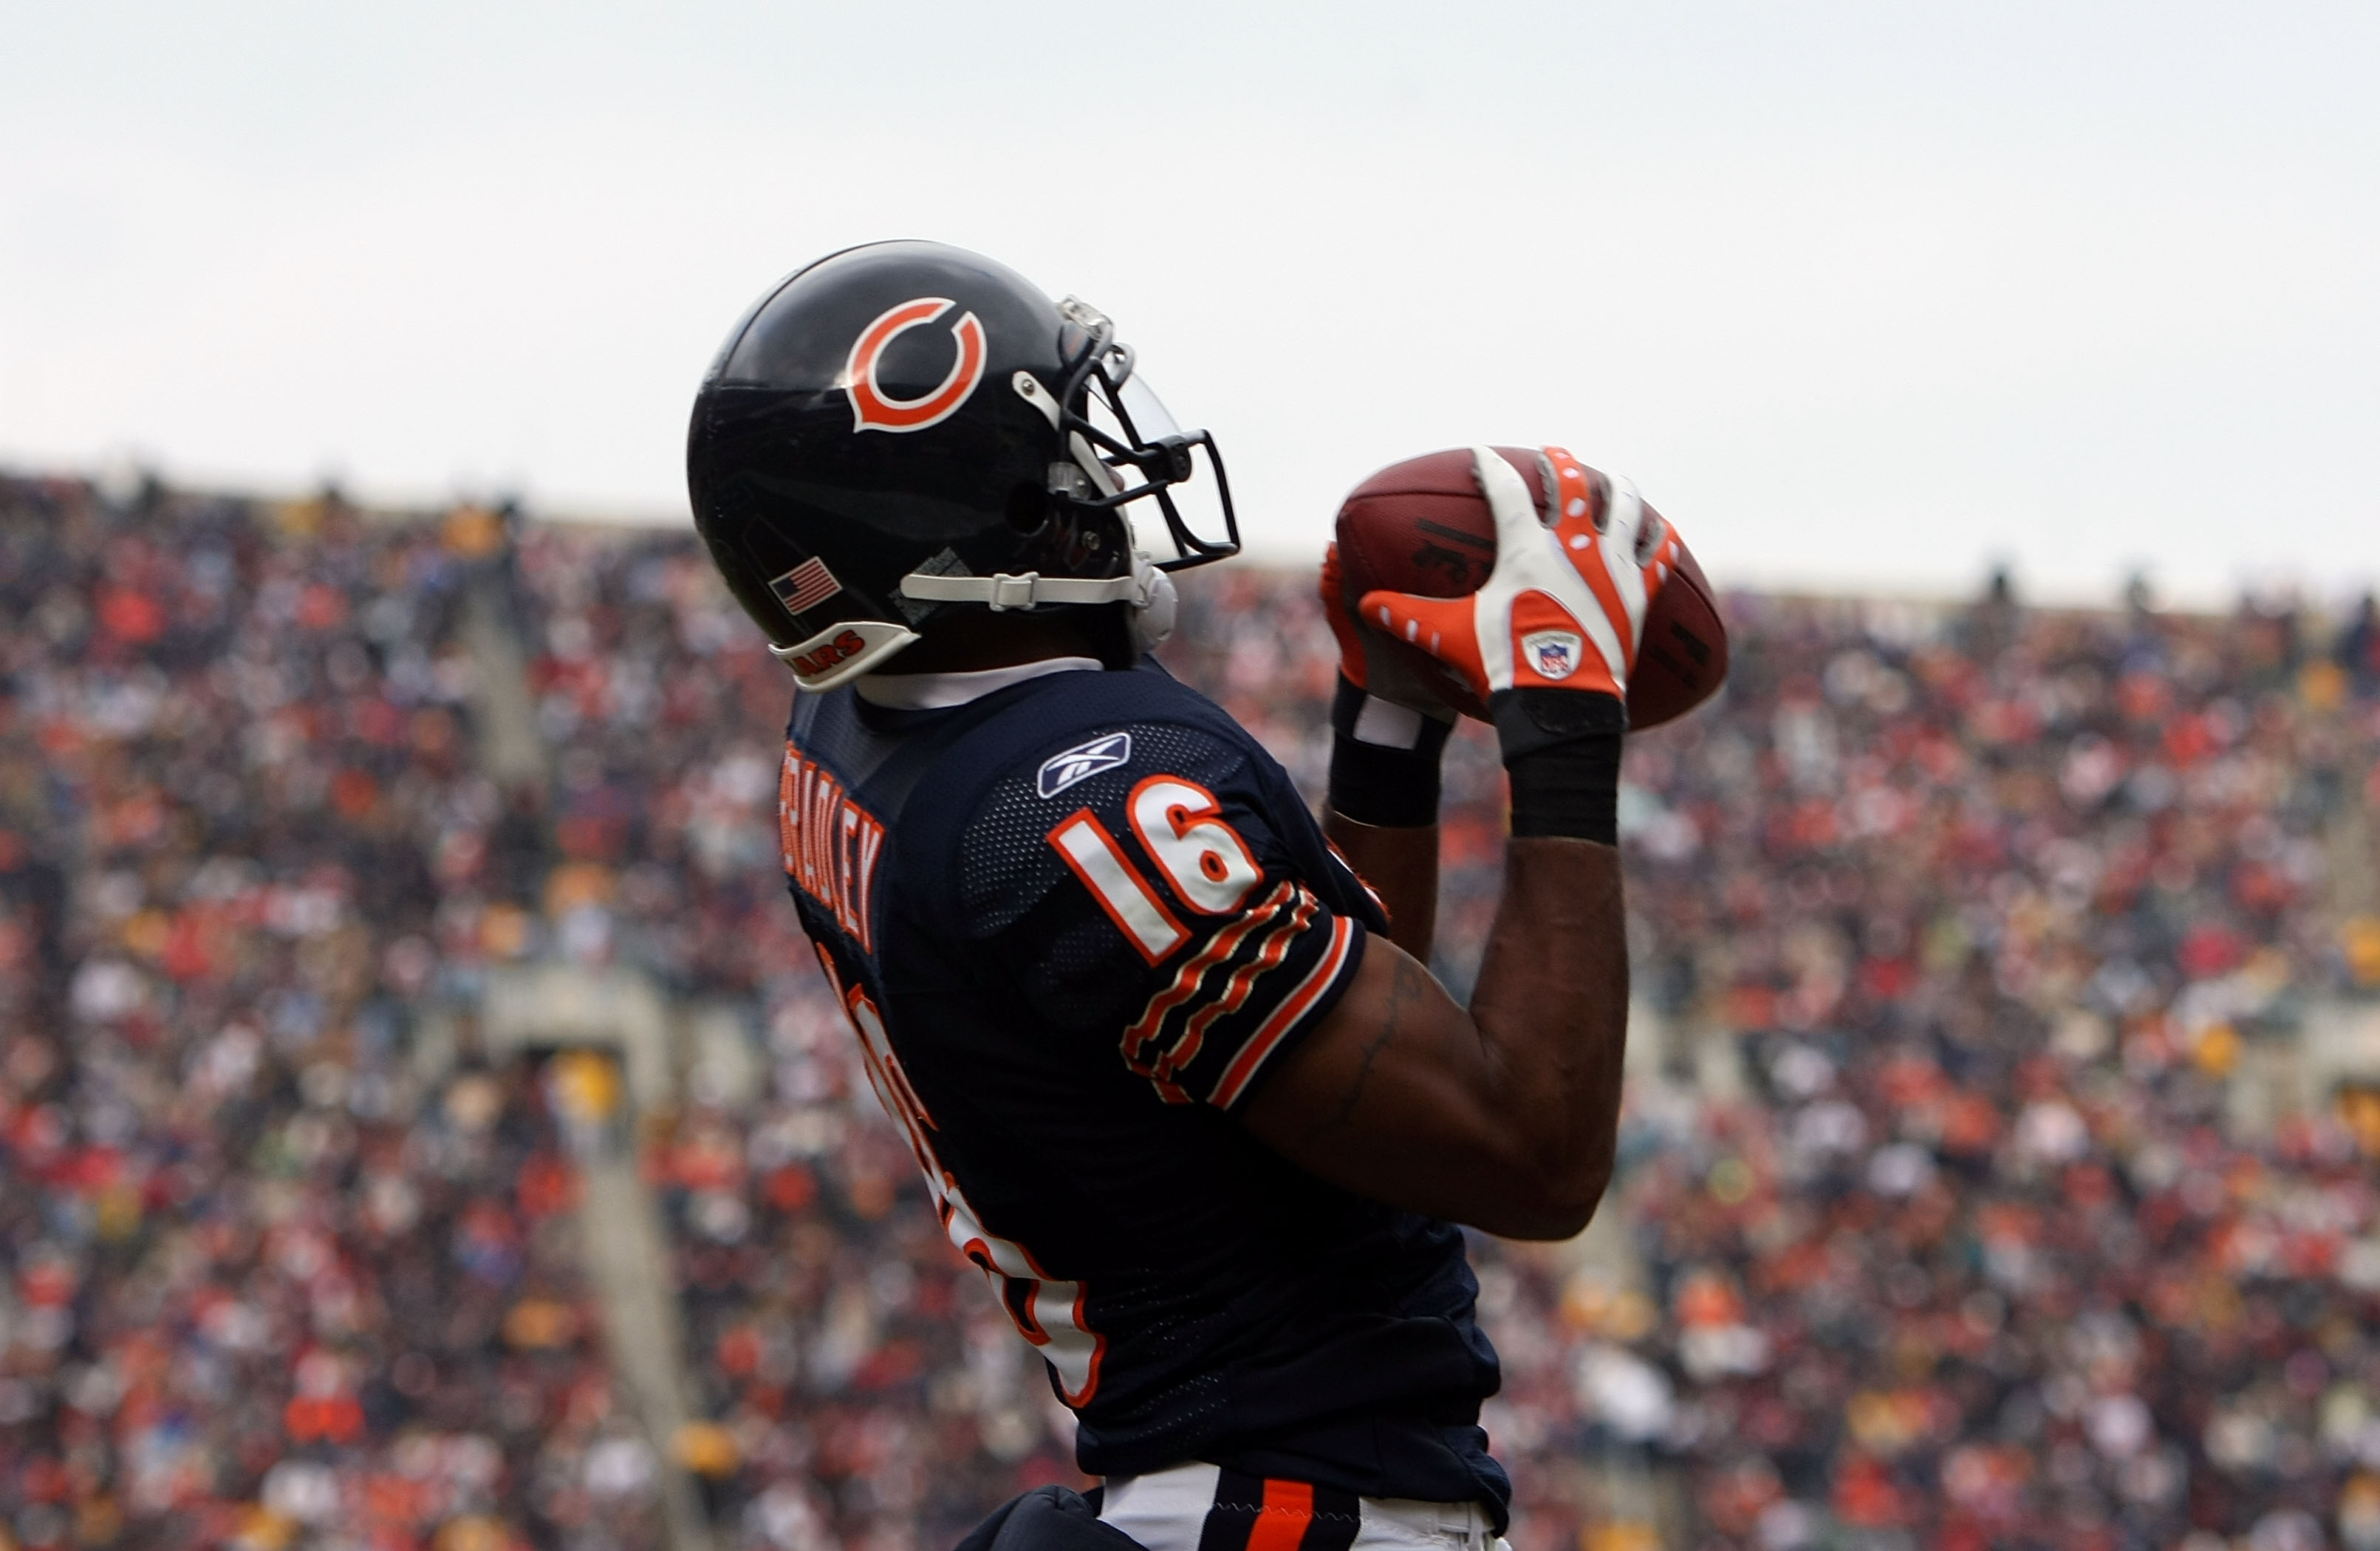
column 1561, row 614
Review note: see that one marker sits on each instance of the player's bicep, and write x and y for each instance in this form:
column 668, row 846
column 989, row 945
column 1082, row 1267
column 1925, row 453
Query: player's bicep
column 1390, row 1095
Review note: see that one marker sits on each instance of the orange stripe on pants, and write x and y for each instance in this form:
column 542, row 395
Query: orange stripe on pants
column 1281, row 1524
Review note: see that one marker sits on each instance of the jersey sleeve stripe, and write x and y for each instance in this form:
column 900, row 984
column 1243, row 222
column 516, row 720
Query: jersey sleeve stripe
column 1086, row 847
column 1184, row 983
column 1286, row 1017
column 1234, row 994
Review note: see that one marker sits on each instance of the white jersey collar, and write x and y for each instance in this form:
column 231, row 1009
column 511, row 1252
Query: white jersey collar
column 934, row 692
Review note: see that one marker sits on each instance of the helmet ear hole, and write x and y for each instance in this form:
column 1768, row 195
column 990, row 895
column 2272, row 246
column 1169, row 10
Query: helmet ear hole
column 1029, row 508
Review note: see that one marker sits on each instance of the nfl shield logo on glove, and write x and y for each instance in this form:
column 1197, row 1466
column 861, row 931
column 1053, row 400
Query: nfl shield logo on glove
column 1553, row 653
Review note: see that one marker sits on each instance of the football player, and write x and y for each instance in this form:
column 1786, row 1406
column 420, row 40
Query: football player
column 1175, row 1075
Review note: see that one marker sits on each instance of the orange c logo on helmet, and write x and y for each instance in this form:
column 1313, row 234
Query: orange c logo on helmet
column 872, row 408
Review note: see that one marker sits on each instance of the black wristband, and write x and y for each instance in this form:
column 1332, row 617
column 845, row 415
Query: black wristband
column 1389, row 785
column 1561, row 754
column 1529, row 719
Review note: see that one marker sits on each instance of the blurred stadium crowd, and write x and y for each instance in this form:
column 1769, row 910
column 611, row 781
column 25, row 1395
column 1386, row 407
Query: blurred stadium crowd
column 1950, row 1215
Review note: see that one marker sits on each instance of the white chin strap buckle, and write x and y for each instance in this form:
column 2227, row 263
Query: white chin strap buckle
column 1013, row 592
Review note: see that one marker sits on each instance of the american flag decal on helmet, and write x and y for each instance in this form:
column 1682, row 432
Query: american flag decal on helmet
column 806, row 585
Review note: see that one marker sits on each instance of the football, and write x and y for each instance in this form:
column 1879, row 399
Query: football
column 1422, row 526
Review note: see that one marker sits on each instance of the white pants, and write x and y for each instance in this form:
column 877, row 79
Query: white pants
column 1167, row 1510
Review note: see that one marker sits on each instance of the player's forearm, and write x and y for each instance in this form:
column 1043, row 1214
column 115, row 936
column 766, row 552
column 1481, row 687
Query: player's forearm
column 1551, row 1010
column 1401, row 865
column 1383, row 808
column 1504, row 1115
column 1501, row 1115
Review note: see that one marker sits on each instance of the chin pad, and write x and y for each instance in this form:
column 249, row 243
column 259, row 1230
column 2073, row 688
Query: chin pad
column 1154, row 605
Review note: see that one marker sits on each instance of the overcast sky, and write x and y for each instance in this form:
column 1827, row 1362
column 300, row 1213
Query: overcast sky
column 1861, row 295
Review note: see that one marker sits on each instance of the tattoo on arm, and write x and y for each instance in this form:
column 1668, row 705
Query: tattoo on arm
column 1406, row 986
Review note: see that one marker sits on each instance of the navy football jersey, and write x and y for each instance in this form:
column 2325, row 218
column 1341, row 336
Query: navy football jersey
column 1075, row 924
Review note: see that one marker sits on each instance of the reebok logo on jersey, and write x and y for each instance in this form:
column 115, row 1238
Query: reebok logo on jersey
column 1082, row 761
column 1553, row 653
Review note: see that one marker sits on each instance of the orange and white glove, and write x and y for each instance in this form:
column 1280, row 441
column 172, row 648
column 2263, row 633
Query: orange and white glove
column 1550, row 638
column 1390, row 730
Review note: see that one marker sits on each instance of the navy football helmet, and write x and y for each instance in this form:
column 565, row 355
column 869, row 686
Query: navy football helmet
column 904, row 428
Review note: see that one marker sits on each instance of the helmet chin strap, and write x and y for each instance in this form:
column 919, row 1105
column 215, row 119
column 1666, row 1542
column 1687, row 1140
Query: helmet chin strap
column 1149, row 590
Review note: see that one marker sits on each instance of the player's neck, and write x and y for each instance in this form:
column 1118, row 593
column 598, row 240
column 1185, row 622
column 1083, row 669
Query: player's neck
column 971, row 641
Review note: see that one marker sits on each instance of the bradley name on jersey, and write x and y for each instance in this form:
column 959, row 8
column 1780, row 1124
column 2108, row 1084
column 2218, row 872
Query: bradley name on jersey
column 830, row 843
